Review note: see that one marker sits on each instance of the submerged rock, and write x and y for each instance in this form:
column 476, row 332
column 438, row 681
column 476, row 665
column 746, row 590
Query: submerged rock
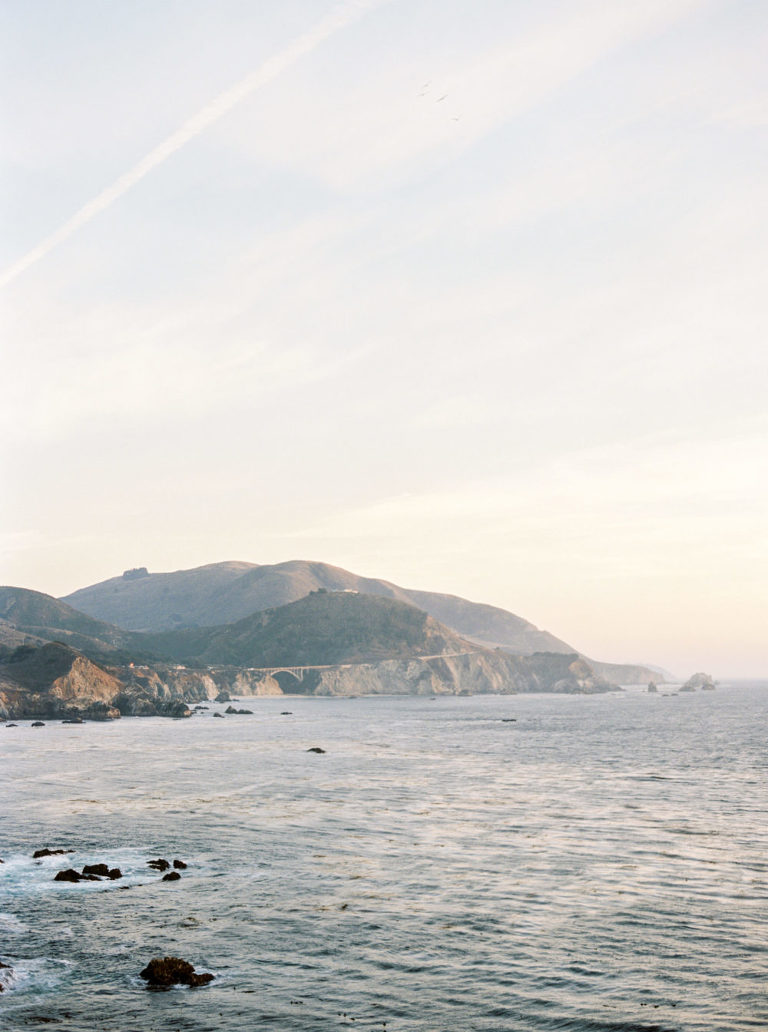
column 316, row 748
column 49, row 852
column 168, row 971
column 219, row 715
column 38, row 723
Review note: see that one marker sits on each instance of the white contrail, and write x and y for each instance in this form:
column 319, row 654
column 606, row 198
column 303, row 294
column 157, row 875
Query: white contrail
column 206, row 116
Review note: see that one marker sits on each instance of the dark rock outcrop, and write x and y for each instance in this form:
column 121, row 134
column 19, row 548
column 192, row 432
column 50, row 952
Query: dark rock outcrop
column 91, row 872
column 159, row 865
column 316, row 749
column 168, row 971
column 38, row 853
column 71, row 875
column 238, row 712
column 102, row 870
column 171, row 876
column 179, row 865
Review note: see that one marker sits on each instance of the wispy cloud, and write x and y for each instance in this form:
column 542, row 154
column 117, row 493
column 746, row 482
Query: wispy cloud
column 395, row 124
column 304, row 44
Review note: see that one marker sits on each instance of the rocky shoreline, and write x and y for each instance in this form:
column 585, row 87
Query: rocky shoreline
column 56, row 682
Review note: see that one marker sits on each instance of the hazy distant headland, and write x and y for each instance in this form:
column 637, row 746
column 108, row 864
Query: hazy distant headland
column 145, row 643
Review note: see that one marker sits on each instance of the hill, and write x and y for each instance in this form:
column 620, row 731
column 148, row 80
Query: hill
column 355, row 644
column 323, row 628
column 227, row 592
column 31, row 617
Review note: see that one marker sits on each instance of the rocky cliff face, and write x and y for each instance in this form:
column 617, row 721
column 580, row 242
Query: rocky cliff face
column 467, row 674
column 55, row 681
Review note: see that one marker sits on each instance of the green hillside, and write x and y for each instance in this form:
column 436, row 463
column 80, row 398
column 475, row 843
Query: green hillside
column 322, row 628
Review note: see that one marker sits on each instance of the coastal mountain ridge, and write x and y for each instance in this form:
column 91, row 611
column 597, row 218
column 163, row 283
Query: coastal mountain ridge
column 226, row 592
column 334, row 642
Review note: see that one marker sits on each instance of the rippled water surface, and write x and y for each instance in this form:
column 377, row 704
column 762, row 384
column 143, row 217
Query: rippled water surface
column 524, row 863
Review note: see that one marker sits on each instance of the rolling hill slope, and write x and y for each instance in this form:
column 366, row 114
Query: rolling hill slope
column 33, row 617
column 320, row 629
column 226, row 592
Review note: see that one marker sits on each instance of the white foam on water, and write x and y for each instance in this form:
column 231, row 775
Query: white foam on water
column 38, row 974
column 11, row 923
column 21, row 876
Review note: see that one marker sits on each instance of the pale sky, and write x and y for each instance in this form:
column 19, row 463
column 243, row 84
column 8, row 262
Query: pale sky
column 471, row 297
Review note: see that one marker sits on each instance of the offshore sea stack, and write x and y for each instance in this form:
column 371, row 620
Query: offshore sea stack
column 165, row 972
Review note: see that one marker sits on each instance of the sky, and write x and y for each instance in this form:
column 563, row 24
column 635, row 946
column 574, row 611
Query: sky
column 470, row 297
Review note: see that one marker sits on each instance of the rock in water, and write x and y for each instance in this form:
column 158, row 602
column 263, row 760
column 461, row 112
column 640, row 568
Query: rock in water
column 179, row 865
column 159, row 864
column 102, row 870
column 69, row 875
column 316, row 748
column 171, row 876
column 168, row 971
column 49, row 852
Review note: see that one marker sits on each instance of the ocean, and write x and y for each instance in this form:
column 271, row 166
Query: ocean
column 525, row 862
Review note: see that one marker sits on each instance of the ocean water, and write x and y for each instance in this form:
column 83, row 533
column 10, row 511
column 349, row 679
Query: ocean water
column 527, row 862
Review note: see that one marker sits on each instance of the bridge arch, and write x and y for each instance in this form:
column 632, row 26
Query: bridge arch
column 289, row 678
